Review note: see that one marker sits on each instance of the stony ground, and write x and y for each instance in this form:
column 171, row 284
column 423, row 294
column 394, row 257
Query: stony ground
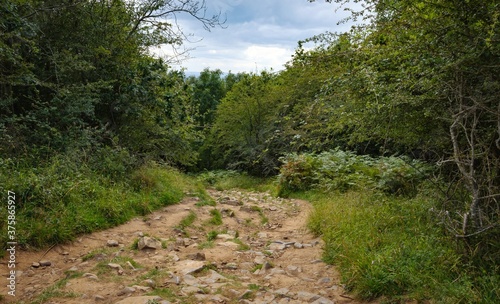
column 260, row 252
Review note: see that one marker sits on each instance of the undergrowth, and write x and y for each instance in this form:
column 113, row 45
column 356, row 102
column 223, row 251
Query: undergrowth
column 389, row 247
column 224, row 180
column 61, row 199
column 342, row 170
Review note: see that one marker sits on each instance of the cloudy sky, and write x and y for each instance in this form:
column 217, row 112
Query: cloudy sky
column 258, row 34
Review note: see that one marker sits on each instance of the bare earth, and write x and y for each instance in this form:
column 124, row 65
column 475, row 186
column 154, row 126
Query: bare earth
column 263, row 254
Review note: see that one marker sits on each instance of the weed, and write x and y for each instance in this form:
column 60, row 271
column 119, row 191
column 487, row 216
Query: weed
column 58, row 200
column 225, row 180
column 206, row 245
column 55, row 291
column 135, row 244
column 242, row 246
column 254, row 287
column 256, row 267
column 165, row 293
column 216, row 217
column 206, row 202
column 98, row 253
column 187, row 221
column 212, row 235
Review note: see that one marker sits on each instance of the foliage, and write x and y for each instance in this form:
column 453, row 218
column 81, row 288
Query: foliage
column 78, row 74
column 227, row 179
column 424, row 76
column 341, row 171
column 243, row 124
column 207, row 91
column 216, row 218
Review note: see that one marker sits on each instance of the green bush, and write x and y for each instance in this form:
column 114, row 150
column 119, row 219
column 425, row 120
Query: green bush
column 297, row 173
column 342, row 171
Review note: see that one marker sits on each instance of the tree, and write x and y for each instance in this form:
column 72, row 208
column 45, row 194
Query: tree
column 428, row 79
column 244, row 122
column 71, row 74
column 208, row 91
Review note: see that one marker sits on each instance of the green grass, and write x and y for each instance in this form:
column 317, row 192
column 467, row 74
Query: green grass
column 225, row 180
column 55, row 291
column 389, row 247
column 216, row 218
column 58, row 201
column 187, row 221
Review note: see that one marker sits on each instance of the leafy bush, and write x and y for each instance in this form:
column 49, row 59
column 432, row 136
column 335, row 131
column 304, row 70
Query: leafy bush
column 297, row 173
column 341, row 170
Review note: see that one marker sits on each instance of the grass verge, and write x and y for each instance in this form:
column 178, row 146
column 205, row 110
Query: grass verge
column 58, row 201
column 390, row 248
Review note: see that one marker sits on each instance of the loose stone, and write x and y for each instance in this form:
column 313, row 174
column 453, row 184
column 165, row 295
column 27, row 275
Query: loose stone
column 307, row 296
column 148, row 243
column 99, row 298
column 199, row 256
column 115, row 266
column 224, row 237
column 282, row 291
column 189, row 266
column 142, row 300
column 112, row 243
column 90, row 276
column 323, row 301
column 324, row 281
column 126, row 291
column 45, row 263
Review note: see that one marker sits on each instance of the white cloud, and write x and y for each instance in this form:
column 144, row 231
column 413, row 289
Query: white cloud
column 259, row 34
column 267, row 57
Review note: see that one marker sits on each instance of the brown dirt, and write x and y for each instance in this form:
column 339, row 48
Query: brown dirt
column 259, row 223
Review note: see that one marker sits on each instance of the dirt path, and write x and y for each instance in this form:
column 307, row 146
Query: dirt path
column 260, row 253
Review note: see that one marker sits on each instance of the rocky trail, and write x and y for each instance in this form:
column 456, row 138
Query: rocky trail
column 249, row 248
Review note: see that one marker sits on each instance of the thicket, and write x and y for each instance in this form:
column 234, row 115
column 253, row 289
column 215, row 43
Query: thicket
column 341, row 171
column 86, row 110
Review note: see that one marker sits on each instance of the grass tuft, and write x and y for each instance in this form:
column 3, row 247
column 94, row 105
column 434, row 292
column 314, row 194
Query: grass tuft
column 216, row 218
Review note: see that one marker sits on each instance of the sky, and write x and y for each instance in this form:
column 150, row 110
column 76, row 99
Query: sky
column 257, row 35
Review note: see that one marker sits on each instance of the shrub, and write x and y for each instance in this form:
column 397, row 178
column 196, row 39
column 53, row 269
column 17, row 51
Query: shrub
column 297, row 173
column 341, row 171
